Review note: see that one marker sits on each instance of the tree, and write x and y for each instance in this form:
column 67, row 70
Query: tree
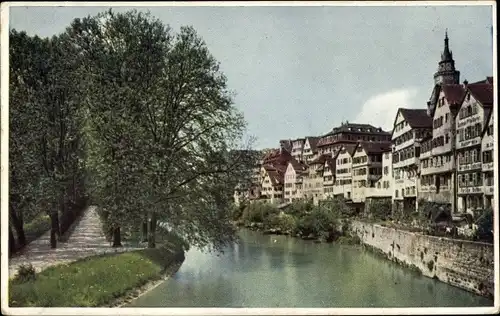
column 44, row 130
column 163, row 126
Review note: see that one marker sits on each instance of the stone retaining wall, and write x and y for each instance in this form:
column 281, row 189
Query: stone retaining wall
column 465, row 264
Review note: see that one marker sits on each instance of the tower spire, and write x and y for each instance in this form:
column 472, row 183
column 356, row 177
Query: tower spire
column 447, row 55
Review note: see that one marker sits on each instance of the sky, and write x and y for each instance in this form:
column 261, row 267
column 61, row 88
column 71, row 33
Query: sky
column 300, row 71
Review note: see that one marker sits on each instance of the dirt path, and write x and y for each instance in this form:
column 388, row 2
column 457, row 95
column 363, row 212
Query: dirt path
column 86, row 240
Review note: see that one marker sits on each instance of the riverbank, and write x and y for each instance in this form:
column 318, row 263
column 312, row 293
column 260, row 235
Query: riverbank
column 468, row 265
column 98, row 281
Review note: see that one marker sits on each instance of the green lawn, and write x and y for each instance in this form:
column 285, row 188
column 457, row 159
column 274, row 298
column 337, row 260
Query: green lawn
column 93, row 281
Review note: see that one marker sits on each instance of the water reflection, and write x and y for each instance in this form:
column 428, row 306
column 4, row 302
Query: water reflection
column 278, row 271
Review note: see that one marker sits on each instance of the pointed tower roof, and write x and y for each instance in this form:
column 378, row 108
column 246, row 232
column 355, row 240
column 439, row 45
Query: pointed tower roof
column 447, row 55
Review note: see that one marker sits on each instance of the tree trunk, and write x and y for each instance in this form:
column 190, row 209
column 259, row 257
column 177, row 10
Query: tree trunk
column 152, row 231
column 145, row 230
column 54, row 228
column 117, row 238
column 18, row 224
column 12, row 241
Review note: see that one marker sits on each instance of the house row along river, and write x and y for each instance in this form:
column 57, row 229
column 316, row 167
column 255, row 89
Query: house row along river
column 280, row 271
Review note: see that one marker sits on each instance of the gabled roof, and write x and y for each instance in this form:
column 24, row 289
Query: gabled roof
column 482, row 92
column 487, row 80
column 350, row 148
column 330, row 162
column 320, row 160
column 487, row 123
column 313, row 142
column 297, row 166
column 416, row 118
column 374, row 147
column 454, row 93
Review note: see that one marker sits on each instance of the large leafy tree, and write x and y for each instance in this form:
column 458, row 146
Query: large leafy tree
column 45, row 132
column 163, row 127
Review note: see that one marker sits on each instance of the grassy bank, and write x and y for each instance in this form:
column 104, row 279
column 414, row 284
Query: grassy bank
column 94, row 281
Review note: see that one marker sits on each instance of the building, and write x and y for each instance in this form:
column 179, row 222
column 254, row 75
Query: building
column 367, row 171
column 349, row 134
column 329, row 176
column 411, row 126
column 470, row 124
column 272, row 185
column 313, row 182
column 343, row 172
column 310, row 151
column 487, row 145
column 294, row 180
column 298, row 148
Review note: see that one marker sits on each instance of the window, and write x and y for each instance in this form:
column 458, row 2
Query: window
column 447, row 138
column 446, row 117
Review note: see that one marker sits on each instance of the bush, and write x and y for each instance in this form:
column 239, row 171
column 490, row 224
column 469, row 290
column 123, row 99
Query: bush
column 485, row 226
column 259, row 212
column 380, row 209
column 320, row 222
column 299, row 208
column 25, row 272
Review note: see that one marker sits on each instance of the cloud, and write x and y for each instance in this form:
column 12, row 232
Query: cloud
column 380, row 110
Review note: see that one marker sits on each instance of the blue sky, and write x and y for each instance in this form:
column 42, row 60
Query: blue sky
column 300, row 71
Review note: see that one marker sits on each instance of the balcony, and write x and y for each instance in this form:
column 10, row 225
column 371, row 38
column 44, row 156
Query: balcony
column 476, row 141
column 470, row 166
column 488, row 166
column 478, row 188
column 376, row 192
column 406, row 162
column 443, row 168
column 488, row 189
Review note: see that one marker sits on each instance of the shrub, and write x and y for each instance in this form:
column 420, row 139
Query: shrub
column 259, row 212
column 286, row 222
column 380, row 209
column 25, row 272
column 485, row 226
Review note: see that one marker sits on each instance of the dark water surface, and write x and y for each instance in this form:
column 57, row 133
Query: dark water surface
column 280, row 271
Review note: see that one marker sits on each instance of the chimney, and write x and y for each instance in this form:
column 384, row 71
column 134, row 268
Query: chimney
column 466, row 83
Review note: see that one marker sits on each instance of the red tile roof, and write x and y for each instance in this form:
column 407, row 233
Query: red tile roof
column 331, row 162
column 454, row 93
column 417, row 118
column 482, row 92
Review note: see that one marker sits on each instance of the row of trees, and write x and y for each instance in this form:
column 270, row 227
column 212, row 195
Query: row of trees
column 136, row 115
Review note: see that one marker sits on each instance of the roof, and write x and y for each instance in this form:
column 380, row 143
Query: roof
column 276, row 178
column 454, row 93
column 482, row 92
column 375, row 147
column 297, row 166
column 313, row 142
column 487, row 80
column 330, row 161
column 487, row 123
column 357, row 128
column 320, row 160
column 416, row 118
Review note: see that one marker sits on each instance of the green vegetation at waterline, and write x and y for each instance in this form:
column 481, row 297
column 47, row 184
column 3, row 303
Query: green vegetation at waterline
column 328, row 221
column 94, row 281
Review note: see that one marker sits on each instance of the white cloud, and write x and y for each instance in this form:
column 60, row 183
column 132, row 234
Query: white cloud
column 380, row 110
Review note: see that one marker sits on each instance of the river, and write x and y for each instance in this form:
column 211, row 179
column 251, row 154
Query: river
column 280, row 271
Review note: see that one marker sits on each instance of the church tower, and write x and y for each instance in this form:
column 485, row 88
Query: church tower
column 447, row 74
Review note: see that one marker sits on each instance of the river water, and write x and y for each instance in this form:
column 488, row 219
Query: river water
column 280, row 271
